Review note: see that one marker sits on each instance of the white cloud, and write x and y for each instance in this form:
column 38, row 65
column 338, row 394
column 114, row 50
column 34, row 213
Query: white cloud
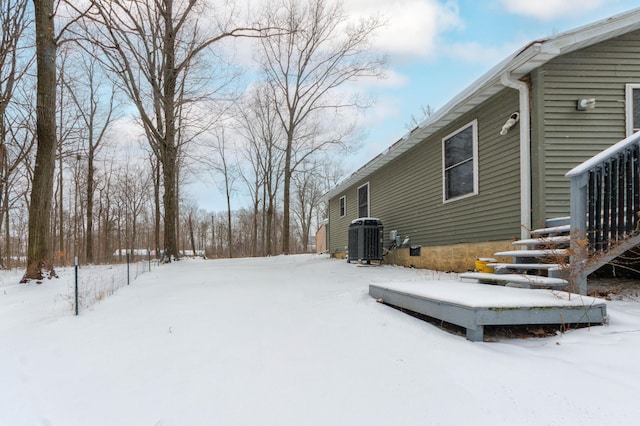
column 386, row 107
column 473, row 52
column 392, row 79
column 550, row 9
column 412, row 26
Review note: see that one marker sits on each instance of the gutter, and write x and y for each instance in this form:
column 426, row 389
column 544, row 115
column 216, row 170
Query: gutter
column 525, row 151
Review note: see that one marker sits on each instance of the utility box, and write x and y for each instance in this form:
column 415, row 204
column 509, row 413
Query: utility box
column 365, row 240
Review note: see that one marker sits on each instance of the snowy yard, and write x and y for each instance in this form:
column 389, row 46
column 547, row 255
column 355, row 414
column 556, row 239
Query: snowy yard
column 293, row 340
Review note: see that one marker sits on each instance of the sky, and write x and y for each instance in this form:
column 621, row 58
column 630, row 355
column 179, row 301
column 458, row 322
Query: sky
column 436, row 49
column 450, row 44
column 296, row 340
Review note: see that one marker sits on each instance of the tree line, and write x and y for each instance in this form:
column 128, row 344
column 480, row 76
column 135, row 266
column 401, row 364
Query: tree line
column 108, row 108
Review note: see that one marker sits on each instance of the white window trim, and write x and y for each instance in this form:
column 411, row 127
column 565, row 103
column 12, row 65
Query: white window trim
column 342, row 202
column 368, row 199
column 474, row 129
column 628, row 107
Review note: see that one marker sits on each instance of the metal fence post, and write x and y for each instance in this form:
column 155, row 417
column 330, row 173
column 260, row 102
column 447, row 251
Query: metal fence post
column 76, row 268
column 127, row 268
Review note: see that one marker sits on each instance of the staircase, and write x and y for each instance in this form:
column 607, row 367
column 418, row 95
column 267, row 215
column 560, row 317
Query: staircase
column 541, row 262
column 604, row 224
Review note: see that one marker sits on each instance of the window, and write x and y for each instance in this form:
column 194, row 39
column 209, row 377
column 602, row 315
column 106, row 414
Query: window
column 632, row 108
column 363, row 200
column 460, row 163
column 343, row 206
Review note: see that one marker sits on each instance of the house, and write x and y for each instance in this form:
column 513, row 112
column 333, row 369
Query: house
column 490, row 165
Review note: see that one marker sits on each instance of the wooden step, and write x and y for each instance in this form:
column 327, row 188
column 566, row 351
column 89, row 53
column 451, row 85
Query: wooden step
column 552, row 270
column 523, row 266
column 534, row 253
column 544, row 241
column 521, row 280
column 562, row 229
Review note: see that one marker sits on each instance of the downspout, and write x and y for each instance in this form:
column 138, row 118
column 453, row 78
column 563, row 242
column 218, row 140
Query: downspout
column 525, row 151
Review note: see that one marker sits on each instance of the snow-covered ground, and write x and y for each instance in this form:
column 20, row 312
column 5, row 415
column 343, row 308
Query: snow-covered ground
column 293, row 340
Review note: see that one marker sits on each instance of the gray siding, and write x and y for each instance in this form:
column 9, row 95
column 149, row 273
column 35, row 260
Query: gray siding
column 406, row 194
column 338, row 226
column 565, row 137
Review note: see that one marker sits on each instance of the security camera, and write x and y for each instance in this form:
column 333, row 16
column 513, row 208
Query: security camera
column 513, row 119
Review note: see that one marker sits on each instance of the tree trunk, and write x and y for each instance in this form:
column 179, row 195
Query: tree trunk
column 4, row 208
column 7, row 233
column 263, row 221
column 134, row 231
column 156, row 198
column 89, row 239
column 213, row 237
column 286, row 199
column 107, row 229
column 60, row 205
column 269, row 228
column 229, row 232
column 5, row 217
column 169, row 150
column 254, row 226
column 120, row 234
column 169, row 198
column 39, row 262
column 177, row 209
column 193, row 241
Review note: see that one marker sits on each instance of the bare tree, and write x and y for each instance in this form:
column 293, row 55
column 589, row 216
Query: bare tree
column 332, row 173
column 259, row 126
column 14, row 167
column 68, row 136
column 193, row 226
column 39, row 262
column 17, row 130
column 156, row 181
column 133, row 191
column 14, row 21
column 305, row 68
column 15, row 143
column 309, row 189
column 153, row 47
column 226, row 166
column 86, row 88
column 254, row 182
column 417, row 120
column 106, row 225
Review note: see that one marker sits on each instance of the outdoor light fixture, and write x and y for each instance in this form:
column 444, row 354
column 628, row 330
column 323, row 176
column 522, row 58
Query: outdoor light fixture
column 513, row 119
column 586, row 104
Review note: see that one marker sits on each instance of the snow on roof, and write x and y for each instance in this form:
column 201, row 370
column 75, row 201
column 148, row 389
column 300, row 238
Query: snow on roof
column 517, row 65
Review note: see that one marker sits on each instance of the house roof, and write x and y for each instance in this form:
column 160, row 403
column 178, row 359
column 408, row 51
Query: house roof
column 516, row 66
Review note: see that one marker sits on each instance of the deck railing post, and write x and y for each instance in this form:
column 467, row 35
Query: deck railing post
column 618, row 197
column 579, row 248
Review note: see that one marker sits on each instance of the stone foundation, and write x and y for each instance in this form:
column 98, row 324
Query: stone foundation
column 454, row 258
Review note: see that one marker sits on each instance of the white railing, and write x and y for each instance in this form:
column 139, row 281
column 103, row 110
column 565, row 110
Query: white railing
column 605, row 203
